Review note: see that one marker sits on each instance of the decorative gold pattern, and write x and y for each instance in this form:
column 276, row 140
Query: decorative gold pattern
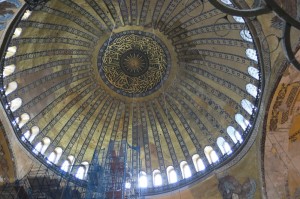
column 145, row 48
column 134, row 63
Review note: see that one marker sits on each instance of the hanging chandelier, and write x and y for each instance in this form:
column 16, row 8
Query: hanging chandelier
column 265, row 7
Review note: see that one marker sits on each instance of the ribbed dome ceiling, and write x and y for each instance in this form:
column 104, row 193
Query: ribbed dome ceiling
column 171, row 77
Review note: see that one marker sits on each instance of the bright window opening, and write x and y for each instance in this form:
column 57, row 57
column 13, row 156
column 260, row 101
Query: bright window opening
column 24, row 118
column 199, row 165
column 17, row 32
column 157, row 179
column 15, row 104
column 34, row 131
column 26, row 135
column 185, row 169
column 80, row 172
column 8, row 70
column 65, row 166
column 38, row 148
column 248, row 106
column 227, row 2
column 11, row 51
column 234, row 135
column 252, row 90
column 172, row 175
column 26, row 15
column 238, row 136
column 253, row 72
column 224, row 146
column 245, row 34
column 11, row 87
column 251, row 54
column 211, row 155
column 52, row 157
column 241, row 121
column 239, row 19
column 143, row 180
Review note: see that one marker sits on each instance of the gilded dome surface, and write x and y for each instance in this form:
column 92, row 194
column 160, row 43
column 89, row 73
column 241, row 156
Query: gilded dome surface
column 180, row 80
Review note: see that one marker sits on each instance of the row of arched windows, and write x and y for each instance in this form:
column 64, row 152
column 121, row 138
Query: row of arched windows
column 199, row 165
column 246, row 36
column 41, row 147
column 16, row 103
column 250, row 88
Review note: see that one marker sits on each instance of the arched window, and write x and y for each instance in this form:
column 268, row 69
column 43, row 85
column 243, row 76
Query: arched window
column 185, row 169
column 52, row 157
column 11, row 87
column 65, row 166
column 58, row 152
column 46, row 142
column 239, row 19
column 34, row 131
column 17, row 32
column 157, row 179
column 241, row 121
column 172, row 175
column 227, row 2
column 238, row 136
column 234, row 134
column 245, row 34
column 55, row 155
column 252, row 90
column 80, row 173
column 143, row 180
column 24, row 118
column 71, row 158
column 38, row 148
column 253, row 72
column 26, row 135
column 224, row 146
column 8, row 70
column 211, row 155
column 15, row 104
column 248, row 106
column 82, row 170
column 11, row 51
column 199, row 165
column 26, row 15
column 251, row 54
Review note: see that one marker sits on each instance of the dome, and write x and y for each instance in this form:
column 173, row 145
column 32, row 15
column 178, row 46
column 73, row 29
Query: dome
column 178, row 80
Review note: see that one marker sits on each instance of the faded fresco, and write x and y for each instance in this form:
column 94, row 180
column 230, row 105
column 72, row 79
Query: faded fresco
column 231, row 188
column 282, row 158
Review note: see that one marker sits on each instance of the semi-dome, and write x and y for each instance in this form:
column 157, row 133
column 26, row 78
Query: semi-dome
column 178, row 80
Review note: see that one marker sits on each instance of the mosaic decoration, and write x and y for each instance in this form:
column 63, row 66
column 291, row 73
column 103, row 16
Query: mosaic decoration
column 141, row 71
column 134, row 63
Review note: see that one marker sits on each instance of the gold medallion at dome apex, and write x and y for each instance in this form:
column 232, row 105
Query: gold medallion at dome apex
column 134, row 64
